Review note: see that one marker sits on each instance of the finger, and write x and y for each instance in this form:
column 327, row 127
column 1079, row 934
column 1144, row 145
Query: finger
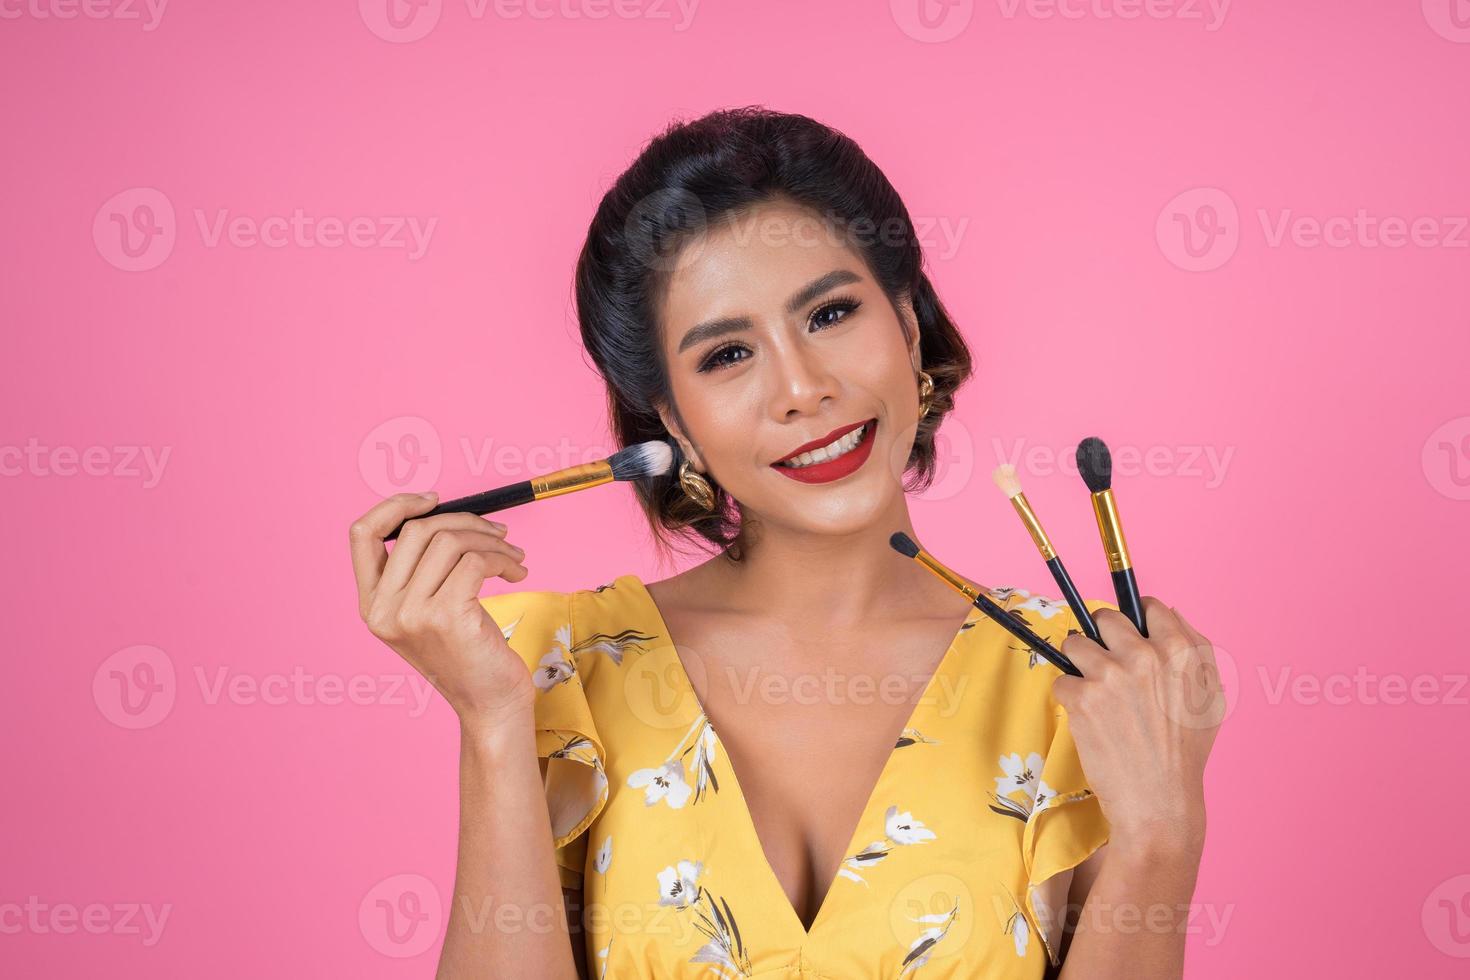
column 445, row 552
column 414, row 540
column 1196, row 638
column 1119, row 634
column 470, row 573
column 1163, row 626
column 1089, row 657
column 366, row 535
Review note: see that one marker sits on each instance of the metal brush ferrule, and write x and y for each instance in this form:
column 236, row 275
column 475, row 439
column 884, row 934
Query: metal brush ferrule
column 1033, row 525
column 572, row 478
column 1111, row 529
column 934, row 565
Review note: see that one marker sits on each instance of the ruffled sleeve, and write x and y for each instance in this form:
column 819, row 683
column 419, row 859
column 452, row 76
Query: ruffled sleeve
column 538, row 625
column 1066, row 825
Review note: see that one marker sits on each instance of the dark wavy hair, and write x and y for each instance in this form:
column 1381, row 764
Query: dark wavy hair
column 688, row 177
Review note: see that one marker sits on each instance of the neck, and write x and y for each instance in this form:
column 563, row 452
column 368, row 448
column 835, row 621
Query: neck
column 831, row 582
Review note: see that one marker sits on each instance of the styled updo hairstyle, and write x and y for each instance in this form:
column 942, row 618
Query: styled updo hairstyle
column 686, row 180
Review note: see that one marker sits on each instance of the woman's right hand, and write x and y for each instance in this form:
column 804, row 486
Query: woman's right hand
column 422, row 599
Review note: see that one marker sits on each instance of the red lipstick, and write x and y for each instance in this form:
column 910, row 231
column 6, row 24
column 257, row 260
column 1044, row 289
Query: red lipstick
column 832, row 469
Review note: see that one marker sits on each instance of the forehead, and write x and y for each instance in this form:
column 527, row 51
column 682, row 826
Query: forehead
column 750, row 263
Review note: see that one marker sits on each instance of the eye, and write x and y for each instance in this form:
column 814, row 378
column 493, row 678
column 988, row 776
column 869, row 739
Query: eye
column 834, row 311
column 718, row 359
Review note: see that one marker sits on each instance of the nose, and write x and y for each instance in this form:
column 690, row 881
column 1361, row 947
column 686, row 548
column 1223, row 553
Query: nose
column 803, row 384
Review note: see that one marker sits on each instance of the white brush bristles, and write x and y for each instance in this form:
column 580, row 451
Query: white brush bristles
column 1005, row 477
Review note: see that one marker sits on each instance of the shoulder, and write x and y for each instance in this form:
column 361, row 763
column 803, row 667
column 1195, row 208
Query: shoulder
column 594, row 617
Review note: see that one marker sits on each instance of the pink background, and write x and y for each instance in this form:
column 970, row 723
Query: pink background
column 1069, row 154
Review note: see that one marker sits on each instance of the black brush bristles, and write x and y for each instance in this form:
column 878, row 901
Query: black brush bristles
column 642, row 460
column 1095, row 464
column 903, row 544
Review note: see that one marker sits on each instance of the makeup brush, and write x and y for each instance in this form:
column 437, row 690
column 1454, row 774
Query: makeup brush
column 1095, row 463
column 904, row 545
column 636, row 462
column 1010, row 484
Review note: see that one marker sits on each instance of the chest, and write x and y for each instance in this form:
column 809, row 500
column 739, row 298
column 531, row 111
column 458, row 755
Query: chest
column 807, row 726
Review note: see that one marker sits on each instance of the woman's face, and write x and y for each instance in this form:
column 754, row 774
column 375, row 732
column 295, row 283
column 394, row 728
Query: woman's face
column 776, row 336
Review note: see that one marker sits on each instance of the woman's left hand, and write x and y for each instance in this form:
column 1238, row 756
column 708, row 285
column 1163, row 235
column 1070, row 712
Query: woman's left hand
column 1144, row 717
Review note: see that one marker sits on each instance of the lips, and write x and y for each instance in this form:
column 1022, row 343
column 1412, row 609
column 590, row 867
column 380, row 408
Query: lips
column 827, row 439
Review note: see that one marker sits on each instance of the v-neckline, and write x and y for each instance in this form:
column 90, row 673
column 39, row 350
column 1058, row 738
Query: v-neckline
column 774, row 880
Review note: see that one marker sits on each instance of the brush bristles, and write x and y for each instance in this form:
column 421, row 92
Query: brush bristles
column 640, row 461
column 1095, row 464
column 903, row 544
column 1005, row 477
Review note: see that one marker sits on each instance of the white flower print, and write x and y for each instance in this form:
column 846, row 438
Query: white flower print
column 604, row 856
column 921, row 949
column 1047, row 607
column 553, row 669
column 901, row 829
column 1024, row 777
column 614, row 644
column 912, row 736
column 678, row 884
column 669, row 782
column 1020, row 931
column 1004, row 593
column 665, row 783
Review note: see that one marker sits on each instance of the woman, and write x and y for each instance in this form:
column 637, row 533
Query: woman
column 911, row 797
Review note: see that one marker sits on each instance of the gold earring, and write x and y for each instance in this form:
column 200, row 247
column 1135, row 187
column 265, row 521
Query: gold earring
column 696, row 487
column 926, row 393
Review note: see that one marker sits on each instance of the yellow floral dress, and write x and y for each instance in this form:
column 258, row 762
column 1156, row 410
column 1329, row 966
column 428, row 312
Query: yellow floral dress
column 959, row 865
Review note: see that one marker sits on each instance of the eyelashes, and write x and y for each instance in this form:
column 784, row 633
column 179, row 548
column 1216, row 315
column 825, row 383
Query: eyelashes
column 843, row 305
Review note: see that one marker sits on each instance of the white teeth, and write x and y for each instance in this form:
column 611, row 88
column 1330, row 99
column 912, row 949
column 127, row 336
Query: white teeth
column 831, row 451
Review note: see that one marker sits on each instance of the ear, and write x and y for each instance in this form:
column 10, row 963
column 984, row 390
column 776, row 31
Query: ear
column 685, row 446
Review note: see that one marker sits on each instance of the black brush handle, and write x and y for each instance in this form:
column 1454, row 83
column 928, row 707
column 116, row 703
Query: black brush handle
column 1026, row 635
column 1125, row 586
column 1074, row 599
column 487, row 502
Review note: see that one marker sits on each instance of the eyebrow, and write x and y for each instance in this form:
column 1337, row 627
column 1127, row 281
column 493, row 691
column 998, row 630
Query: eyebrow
column 718, row 328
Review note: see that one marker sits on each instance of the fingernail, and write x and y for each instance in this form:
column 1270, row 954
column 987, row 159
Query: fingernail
column 429, row 496
column 497, row 524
